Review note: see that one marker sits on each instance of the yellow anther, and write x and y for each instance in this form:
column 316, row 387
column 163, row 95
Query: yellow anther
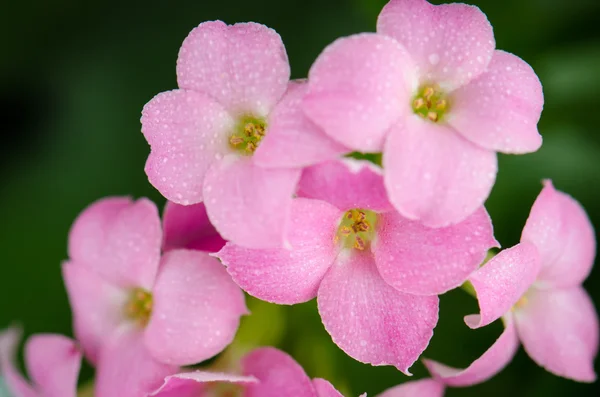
column 433, row 116
column 441, row 104
column 359, row 243
column 428, row 92
column 418, row 103
column 235, row 140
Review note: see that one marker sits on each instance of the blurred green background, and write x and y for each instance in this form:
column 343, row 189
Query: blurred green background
column 73, row 79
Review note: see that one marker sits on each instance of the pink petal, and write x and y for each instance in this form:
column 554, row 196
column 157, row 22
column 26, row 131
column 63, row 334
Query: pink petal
column 119, row 239
column 434, row 175
column 498, row 356
column 419, row 260
column 9, row 342
column 191, row 384
column 419, row 388
column 187, row 226
column 358, row 87
column 250, row 205
column 187, row 131
column 277, row 373
column 564, row 236
column 126, row 369
column 502, row 281
column 451, row 43
column 97, row 307
column 243, row 66
column 500, row 109
column 289, row 275
column 196, row 309
column 559, row 331
column 292, row 139
column 371, row 321
column 347, row 184
column 325, row 389
column 53, row 362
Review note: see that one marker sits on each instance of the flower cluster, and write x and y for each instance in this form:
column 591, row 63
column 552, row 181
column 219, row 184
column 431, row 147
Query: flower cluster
column 270, row 193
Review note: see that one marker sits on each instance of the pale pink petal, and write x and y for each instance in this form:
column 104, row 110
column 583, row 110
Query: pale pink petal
column 196, row 309
column 500, row 109
column 346, row 183
column 243, row 66
column 277, row 373
column 416, row 259
column 250, row 205
column 559, row 331
column 370, row 320
column 192, row 384
column 502, row 281
column 451, row 43
column 292, row 139
column 119, row 239
column 16, row 384
column 564, row 236
column 418, row 388
column 187, row 226
column 498, row 356
column 358, row 87
column 434, row 175
column 127, row 369
column 187, row 132
column 97, row 306
column 325, row 389
column 53, row 362
column 289, row 275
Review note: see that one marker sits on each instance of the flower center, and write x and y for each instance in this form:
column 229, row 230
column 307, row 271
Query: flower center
column 247, row 134
column 357, row 229
column 139, row 306
column 430, row 103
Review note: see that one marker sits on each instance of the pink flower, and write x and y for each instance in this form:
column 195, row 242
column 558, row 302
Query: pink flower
column 375, row 273
column 432, row 94
column 535, row 287
column 137, row 314
column 53, row 362
column 221, row 139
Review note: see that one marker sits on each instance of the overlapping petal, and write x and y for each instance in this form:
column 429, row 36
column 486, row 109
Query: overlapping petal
column 325, row 389
column 450, row 43
column 243, row 66
column 196, row 309
column 292, row 274
column 418, row 388
column 420, row 260
column 9, row 342
column 370, row 320
column 193, row 383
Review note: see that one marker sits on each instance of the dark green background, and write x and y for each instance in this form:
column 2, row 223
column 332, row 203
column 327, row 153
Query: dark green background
column 74, row 78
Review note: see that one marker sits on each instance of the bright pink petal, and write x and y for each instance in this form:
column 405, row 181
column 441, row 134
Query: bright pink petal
column 451, row 43
column 358, row 87
column 370, row 320
column 498, row 356
column 500, row 110
column 559, row 331
column 250, row 205
column 416, row 259
column 502, row 281
column 243, row 66
column 119, row 239
column 419, row 388
column 292, row 139
column 187, row 226
column 347, row 184
column 196, row 309
column 187, row 131
column 9, row 343
column 277, row 373
column 126, row 369
column 53, row 362
column 289, row 275
column 434, row 175
column 97, row 307
column 325, row 389
column 564, row 236
column 192, row 384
